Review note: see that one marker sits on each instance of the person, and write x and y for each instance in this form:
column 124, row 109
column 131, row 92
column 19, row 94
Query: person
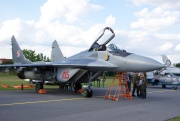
column 128, row 82
column 102, row 47
column 135, row 84
column 144, row 86
column 140, row 86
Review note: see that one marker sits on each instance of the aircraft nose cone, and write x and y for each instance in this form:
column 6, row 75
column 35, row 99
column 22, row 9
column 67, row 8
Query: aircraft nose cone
column 145, row 64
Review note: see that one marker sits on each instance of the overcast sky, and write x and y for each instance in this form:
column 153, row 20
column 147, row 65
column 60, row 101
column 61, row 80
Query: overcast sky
column 145, row 27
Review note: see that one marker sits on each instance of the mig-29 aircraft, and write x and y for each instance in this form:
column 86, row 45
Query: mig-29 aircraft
column 170, row 69
column 167, row 79
column 169, row 75
column 85, row 66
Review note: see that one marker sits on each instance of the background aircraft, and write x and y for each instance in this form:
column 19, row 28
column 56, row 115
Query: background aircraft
column 85, row 66
column 170, row 69
column 167, row 79
column 169, row 75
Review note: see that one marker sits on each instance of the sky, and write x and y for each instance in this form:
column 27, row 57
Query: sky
column 144, row 27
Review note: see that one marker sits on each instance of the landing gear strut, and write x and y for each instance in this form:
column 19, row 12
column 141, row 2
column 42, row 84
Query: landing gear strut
column 87, row 92
column 39, row 86
column 77, row 86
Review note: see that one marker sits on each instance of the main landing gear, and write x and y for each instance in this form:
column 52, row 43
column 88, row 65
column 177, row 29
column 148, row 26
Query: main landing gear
column 175, row 87
column 87, row 92
column 39, row 85
column 39, row 88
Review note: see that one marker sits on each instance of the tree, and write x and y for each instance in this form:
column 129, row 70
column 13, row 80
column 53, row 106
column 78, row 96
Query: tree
column 32, row 56
column 178, row 65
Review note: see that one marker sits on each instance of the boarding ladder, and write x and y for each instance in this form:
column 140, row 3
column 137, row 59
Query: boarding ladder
column 121, row 87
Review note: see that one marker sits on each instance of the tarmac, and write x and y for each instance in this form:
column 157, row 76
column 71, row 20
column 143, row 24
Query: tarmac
column 65, row 105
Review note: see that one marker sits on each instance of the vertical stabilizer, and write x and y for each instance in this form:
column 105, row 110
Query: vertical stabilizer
column 17, row 54
column 166, row 60
column 56, row 54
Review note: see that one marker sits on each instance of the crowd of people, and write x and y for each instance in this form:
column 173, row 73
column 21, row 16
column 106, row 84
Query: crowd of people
column 139, row 83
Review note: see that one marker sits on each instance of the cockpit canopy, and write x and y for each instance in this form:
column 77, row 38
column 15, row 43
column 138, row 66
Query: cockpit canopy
column 112, row 47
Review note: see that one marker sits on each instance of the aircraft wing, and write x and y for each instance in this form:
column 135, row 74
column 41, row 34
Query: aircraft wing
column 85, row 63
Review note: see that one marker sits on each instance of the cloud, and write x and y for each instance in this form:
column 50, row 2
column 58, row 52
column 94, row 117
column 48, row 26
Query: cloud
column 70, row 10
column 175, row 4
column 158, row 12
column 154, row 24
column 155, row 20
column 72, row 39
column 166, row 47
column 110, row 20
column 31, row 33
column 159, row 18
column 177, row 47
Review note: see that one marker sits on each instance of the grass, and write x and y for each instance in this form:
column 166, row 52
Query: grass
column 174, row 119
column 10, row 80
column 13, row 80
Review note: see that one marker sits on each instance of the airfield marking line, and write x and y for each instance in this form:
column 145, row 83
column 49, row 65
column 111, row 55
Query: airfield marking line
column 147, row 92
column 162, row 91
column 45, row 101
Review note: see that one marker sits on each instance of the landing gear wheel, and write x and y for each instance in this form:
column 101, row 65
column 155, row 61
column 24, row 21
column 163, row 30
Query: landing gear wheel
column 77, row 86
column 90, row 93
column 87, row 93
column 38, row 86
column 163, row 86
column 175, row 87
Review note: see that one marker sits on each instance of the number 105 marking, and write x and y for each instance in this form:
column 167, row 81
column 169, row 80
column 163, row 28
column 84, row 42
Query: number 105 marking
column 65, row 75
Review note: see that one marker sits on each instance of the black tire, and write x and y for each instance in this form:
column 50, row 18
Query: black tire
column 163, row 86
column 87, row 93
column 175, row 87
column 90, row 93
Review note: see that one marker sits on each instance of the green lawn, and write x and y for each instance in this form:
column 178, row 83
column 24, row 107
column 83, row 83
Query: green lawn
column 13, row 80
column 175, row 119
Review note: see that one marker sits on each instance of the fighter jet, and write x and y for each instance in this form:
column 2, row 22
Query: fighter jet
column 167, row 79
column 169, row 75
column 169, row 69
column 85, row 66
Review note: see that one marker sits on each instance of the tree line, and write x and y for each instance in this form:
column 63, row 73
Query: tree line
column 32, row 56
